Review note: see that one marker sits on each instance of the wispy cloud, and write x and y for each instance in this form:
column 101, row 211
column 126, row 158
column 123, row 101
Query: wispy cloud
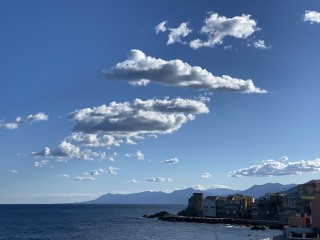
column 278, row 168
column 177, row 73
column 134, row 181
column 112, row 170
column 21, row 121
column 161, row 27
column 260, row 44
column 171, row 161
column 159, row 180
column 13, row 171
column 202, row 188
column 109, row 170
column 84, row 178
column 175, row 34
column 311, row 16
column 156, row 179
column 67, row 195
column 63, row 176
column 206, row 175
column 139, row 155
column 40, row 164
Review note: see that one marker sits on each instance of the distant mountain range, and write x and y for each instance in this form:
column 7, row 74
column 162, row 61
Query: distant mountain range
column 181, row 196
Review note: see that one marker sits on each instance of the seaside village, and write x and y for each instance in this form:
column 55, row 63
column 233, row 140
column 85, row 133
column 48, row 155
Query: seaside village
column 298, row 210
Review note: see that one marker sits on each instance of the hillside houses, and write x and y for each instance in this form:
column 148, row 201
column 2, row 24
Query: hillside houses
column 271, row 206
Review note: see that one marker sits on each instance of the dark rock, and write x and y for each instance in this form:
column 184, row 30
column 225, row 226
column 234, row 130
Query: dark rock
column 157, row 215
column 258, row 228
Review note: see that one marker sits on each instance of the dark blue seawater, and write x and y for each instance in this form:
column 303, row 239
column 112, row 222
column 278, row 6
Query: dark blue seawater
column 110, row 222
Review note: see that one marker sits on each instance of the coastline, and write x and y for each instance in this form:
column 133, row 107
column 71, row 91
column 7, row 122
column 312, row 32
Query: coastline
column 244, row 222
column 165, row 216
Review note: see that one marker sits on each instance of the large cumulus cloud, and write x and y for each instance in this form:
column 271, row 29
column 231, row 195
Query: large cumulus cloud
column 278, row 168
column 141, row 117
column 140, row 69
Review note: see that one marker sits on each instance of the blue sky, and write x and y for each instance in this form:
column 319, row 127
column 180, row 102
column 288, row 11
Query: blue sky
column 123, row 96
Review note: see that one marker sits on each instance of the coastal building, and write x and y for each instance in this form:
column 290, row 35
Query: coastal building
column 275, row 205
column 195, row 206
column 315, row 211
column 210, row 207
column 305, row 203
column 220, row 207
column 260, row 209
column 290, row 202
column 305, row 227
column 311, row 188
column 238, row 206
column 299, row 227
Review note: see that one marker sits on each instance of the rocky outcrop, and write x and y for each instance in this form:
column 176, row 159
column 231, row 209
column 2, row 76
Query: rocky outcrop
column 157, row 215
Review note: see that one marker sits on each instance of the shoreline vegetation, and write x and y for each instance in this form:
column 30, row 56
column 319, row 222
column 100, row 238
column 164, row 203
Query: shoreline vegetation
column 262, row 224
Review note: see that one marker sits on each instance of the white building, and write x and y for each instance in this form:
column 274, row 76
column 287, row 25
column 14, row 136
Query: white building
column 210, row 207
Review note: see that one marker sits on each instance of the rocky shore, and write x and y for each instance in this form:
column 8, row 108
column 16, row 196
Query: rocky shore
column 165, row 216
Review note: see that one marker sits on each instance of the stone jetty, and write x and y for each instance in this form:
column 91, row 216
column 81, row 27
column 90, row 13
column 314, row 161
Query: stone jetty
column 165, row 216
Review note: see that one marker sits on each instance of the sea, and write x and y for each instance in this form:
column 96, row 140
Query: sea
column 105, row 221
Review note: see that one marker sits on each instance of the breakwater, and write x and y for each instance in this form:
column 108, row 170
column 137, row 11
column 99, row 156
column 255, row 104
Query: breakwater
column 165, row 216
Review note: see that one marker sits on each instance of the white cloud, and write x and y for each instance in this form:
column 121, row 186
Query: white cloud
column 171, row 161
column 138, row 119
column 95, row 173
column 177, row 73
column 260, row 44
column 63, row 176
column 199, row 187
column 216, row 28
column 202, row 188
column 66, row 150
column 112, row 170
column 134, row 181
column 278, row 168
column 13, row 171
column 94, row 140
column 44, row 152
column 156, row 179
column 206, row 175
column 8, row 126
column 84, row 178
column 20, row 121
column 40, row 164
column 139, row 155
column 109, row 170
column 176, row 34
column 284, row 158
column 218, row 186
column 170, row 180
column 67, row 195
column 142, row 82
column 161, row 27
column 36, row 118
column 312, row 17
